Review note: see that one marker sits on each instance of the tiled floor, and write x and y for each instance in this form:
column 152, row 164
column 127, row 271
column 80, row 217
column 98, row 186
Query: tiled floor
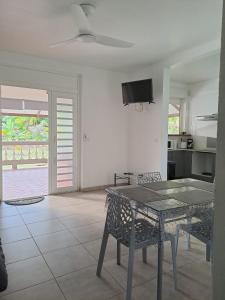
column 25, row 183
column 52, row 249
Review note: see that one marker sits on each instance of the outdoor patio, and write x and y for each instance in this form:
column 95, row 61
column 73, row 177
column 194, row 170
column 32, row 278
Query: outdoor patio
column 25, row 183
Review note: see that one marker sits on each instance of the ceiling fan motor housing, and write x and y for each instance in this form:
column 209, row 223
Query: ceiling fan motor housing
column 88, row 8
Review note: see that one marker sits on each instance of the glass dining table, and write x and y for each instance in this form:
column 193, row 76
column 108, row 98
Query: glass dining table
column 167, row 202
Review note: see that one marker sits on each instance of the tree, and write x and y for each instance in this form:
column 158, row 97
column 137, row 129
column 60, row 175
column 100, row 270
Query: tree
column 24, row 128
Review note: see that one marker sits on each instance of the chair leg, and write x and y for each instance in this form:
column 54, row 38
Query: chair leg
column 130, row 272
column 188, row 236
column 174, row 253
column 211, row 253
column 118, row 253
column 208, row 254
column 177, row 237
column 102, row 252
column 144, row 255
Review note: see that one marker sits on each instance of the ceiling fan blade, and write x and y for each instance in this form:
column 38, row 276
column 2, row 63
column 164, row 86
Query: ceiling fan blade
column 108, row 41
column 81, row 19
column 65, row 42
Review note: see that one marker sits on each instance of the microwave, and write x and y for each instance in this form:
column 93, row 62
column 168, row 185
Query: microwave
column 172, row 144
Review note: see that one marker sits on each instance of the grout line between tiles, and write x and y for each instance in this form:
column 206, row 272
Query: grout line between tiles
column 47, row 264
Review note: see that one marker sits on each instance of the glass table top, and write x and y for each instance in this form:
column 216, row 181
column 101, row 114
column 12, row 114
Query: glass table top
column 167, row 195
column 168, row 204
column 176, row 190
column 156, row 186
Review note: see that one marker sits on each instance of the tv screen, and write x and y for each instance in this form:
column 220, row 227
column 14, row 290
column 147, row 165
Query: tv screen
column 137, row 91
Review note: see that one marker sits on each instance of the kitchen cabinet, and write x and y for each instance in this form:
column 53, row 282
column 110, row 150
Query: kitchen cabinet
column 187, row 163
column 193, row 163
column 183, row 160
column 203, row 165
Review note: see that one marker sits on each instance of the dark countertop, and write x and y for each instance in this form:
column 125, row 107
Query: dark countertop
column 206, row 150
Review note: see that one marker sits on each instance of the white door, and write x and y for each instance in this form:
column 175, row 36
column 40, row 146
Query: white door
column 63, row 146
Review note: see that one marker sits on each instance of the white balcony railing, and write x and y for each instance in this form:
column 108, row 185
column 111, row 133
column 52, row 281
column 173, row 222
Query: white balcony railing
column 22, row 153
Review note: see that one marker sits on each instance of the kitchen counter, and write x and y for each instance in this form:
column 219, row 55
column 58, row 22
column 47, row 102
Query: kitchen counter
column 198, row 163
column 206, row 150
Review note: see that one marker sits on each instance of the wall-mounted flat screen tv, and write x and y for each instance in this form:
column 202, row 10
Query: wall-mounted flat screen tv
column 137, row 91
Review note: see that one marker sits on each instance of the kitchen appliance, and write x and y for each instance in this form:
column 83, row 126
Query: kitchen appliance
column 183, row 144
column 172, row 144
column 190, row 143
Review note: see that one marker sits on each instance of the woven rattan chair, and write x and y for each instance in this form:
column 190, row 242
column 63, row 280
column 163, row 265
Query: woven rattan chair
column 135, row 233
column 201, row 230
column 149, row 177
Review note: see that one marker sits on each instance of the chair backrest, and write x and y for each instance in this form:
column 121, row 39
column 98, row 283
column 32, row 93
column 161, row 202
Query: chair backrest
column 203, row 230
column 149, row 177
column 120, row 216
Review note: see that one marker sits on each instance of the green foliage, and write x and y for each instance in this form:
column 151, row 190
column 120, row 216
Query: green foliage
column 19, row 128
column 173, row 125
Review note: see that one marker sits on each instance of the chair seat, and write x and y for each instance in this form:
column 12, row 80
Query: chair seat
column 200, row 230
column 146, row 234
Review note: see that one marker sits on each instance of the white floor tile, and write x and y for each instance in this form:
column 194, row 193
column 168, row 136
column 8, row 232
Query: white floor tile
column 12, row 221
column 88, row 233
column 45, row 227
column 84, row 284
column 43, row 291
column 20, row 250
column 26, row 273
column 14, row 234
column 69, row 259
column 54, row 241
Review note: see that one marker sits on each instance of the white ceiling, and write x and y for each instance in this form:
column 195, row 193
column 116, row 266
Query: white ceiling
column 157, row 27
column 203, row 69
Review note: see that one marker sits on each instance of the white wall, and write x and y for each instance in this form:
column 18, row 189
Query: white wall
column 147, row 139
column 178, row 90
column 203, row 100
column 103, row 118
column 105, row 122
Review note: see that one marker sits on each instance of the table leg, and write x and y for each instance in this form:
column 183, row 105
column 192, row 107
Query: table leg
column 160, row 259
column 188, row 236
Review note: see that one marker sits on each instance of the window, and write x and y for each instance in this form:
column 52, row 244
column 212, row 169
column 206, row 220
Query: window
column 174, row 119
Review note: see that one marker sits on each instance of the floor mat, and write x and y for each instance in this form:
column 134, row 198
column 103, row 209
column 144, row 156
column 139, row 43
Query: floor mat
column 25, row 201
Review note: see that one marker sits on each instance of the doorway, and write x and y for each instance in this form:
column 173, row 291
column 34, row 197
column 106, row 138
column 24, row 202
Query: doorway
column 25, row 139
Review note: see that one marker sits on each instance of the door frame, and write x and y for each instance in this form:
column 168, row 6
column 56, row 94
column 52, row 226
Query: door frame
column 50, row 89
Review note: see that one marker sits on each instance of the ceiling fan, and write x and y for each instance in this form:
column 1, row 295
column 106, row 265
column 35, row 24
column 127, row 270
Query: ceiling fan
column 86, row 35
